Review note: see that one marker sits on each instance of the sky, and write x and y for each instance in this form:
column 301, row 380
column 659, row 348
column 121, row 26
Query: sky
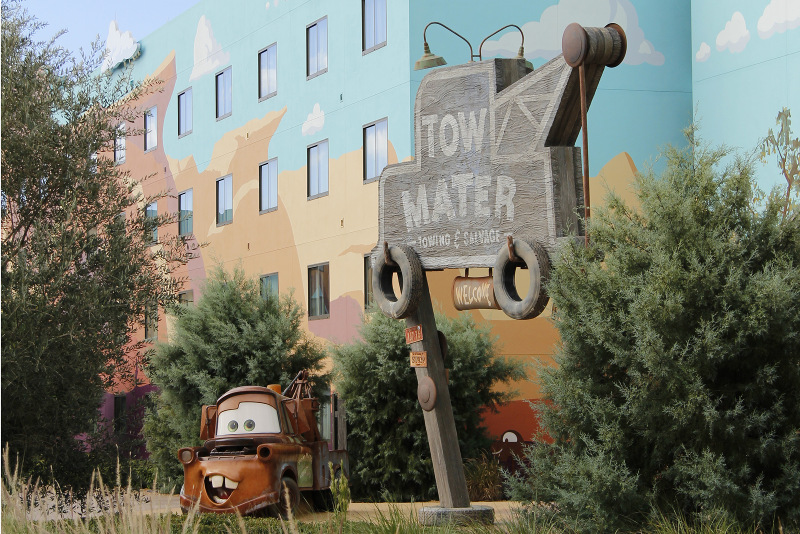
column 86, row 19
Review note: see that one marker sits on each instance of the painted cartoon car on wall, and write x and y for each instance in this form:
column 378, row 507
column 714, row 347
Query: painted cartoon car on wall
column 262, row 449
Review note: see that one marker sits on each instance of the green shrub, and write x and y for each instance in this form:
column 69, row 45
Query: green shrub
column 232, row 337
column 678, row 378
column 388, row 445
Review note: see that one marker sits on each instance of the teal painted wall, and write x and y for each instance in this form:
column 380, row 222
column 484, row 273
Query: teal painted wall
column 745, row 69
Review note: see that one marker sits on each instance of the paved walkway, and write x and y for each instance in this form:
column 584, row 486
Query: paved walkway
column 358, row 511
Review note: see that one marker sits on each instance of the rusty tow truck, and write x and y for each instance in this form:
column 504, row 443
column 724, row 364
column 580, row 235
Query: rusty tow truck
column 262, row 449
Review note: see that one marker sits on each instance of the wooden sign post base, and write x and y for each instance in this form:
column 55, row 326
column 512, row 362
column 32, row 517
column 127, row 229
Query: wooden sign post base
column 440, row 426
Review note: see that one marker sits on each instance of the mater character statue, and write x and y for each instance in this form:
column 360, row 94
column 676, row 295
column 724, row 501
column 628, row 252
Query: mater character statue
column 262, row 449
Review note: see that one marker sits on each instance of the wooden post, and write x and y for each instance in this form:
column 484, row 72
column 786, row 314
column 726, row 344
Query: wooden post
column 448, row 466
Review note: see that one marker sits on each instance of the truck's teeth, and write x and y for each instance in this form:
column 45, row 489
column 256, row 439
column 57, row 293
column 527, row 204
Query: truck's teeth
column 217, row 481
column 231, row 484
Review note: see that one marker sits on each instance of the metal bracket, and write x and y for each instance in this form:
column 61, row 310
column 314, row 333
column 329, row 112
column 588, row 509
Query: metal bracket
column 387, row 257
column 512, row 255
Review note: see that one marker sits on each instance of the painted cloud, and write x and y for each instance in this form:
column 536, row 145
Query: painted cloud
column 208, row 54
column 543, row 37
column 779, row 16
column 119, row 46
column 315, row 121
column 735, row 35
column 703, row 52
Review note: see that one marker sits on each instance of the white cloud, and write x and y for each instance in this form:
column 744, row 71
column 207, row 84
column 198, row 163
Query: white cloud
column 119, row 46
column 315, row 121
column 543, row 36
column 779, row 16
column 208, row 53
column 267, row 6
column 735, row 35
column 703, row 52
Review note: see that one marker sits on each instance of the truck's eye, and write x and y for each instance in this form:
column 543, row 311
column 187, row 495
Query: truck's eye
column 232, row 426
column 249, row 425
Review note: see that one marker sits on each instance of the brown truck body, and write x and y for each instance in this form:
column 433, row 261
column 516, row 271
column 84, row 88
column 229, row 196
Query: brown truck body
column 259, row 442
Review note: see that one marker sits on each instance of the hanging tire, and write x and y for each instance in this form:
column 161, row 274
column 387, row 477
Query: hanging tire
column 411, row 277
column 505, row 291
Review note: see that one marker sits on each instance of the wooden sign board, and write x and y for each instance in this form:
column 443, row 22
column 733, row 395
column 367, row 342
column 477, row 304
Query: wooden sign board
column 419, row 359
column 494, row 156
column 475, row 293
column 413, row 334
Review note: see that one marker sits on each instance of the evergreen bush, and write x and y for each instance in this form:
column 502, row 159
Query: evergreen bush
column 386, row 438
column 678, row 378
column 232, row 337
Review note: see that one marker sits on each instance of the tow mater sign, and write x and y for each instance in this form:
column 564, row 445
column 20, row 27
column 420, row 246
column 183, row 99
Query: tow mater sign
column 495, row 159
column 496, row 183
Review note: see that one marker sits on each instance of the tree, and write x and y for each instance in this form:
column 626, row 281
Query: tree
column 787, row 155
column 76, row 276
column 386, row 438
column 232, row 337
column 678, row 378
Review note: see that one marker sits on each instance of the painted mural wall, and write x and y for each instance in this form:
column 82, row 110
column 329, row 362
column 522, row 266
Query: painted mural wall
column 639, row 106
column 745, row 69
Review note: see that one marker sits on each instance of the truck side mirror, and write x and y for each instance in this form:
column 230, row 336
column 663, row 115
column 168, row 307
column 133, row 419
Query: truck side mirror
column 208, row 422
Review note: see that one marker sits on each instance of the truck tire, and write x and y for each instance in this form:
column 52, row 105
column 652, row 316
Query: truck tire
column 505, row 291
column 411, row 275
column 288, row 488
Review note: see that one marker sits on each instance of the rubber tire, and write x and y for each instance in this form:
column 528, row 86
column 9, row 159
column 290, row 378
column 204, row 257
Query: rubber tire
column 287, row 484
column 505, row 292
column 412, row 280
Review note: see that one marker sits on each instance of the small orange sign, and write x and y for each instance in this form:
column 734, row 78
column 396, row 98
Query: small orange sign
column 419, row 359
column 413, row 334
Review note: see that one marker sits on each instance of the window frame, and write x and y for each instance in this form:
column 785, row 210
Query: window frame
column 190, row 113
column 119, row 143
column 267, row 276
column 229, row 69
column 308, row 170
column 150, row 130
column 326, row 295
column 364, row 48
column 366, row 179
column 318, row 72
column 261, row 95
column 151, row 325
column 217, row 212
column 269, row 163
column 148, row 209
column 183, row 301
column 181, row 221
column 369, row 294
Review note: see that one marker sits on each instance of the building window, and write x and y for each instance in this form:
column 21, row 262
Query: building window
column 151, row 322
column 318, row 169
column 185, row 112
column 318, row 291
column 120, row 402
column 269, row 286
column 369, row 299
column 150, row 128
column 151, row 213
column 119, row 144
column 376, row 148
column 185, row 213
column 317, row 48
column 268, row 185
column 186, row 298
column 225, row 200
column 374, row 24
column 224, row 98
column 268, row 72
